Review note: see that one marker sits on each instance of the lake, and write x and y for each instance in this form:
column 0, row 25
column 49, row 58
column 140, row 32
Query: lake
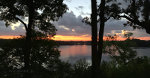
column 72, row 53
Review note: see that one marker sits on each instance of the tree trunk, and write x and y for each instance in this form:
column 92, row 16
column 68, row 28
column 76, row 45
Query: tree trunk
column 95, row 61
column 147, row 15
column 101, row 30
column 28, row 40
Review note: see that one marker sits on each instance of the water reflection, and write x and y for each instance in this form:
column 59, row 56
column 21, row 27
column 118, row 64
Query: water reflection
column 75, row 50
column 72, row 53
column 142, row 51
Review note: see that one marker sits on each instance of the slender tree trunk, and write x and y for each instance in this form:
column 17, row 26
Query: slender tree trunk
column 95, row 61
column 101, row 31
column 147, row 15
column 28, row 40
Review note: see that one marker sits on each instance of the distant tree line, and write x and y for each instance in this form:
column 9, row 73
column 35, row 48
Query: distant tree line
column 138, row 42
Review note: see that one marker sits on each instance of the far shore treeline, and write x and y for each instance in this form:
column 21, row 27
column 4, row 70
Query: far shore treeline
column 138, row 42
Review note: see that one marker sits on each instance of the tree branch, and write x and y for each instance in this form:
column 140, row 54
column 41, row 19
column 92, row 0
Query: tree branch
column 22, row 22
column 135, row 21
column 128, row 18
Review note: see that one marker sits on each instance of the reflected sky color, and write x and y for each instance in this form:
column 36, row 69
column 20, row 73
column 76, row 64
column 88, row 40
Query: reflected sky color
column 72, row 53
column 75, row 50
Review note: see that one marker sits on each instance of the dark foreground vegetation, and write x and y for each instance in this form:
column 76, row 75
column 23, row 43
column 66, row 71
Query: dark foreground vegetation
column 45, row 62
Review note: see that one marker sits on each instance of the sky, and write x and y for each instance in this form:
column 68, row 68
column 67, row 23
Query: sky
column 70, row 26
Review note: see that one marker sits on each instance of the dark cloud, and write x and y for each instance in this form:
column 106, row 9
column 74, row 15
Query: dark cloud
column 115, row 25
column 70, row 24
column 71, row 21
column 18, row 30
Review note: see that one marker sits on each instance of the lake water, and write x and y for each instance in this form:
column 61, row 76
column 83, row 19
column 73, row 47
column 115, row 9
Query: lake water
column 72, row 53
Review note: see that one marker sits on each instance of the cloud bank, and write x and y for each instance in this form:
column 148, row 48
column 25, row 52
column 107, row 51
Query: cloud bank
column 72, row 25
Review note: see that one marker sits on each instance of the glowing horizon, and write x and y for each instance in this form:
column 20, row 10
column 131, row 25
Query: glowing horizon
column 72, row 38
column 8, row 36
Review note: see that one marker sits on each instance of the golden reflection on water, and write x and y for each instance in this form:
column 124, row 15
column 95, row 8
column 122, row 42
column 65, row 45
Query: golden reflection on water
column 75, row 50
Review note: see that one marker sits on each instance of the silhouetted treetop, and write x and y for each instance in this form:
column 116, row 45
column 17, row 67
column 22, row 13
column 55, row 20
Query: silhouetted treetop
column 45, row 11
column 137, row 13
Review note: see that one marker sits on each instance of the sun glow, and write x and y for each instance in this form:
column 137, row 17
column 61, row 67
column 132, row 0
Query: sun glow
column 72, row 38
column 8, row 37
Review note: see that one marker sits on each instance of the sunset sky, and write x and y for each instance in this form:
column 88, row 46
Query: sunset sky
column 71, row 28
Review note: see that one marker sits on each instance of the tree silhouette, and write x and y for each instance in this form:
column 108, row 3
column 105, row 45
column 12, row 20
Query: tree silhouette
column 40, row 15
column 120, row 51
column 95, row 58
column 111, row 9
column 43, row 54
column 137, row 13
column 104, row 11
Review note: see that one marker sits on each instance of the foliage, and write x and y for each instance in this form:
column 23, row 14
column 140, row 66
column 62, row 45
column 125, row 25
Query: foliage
column 34, row 52
column 121, row 52
column 43, row 54
column 81, row 69
column 136, row 12
column 111, row 11
column 138, row 68
column 44, row 13
column 128, row 35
